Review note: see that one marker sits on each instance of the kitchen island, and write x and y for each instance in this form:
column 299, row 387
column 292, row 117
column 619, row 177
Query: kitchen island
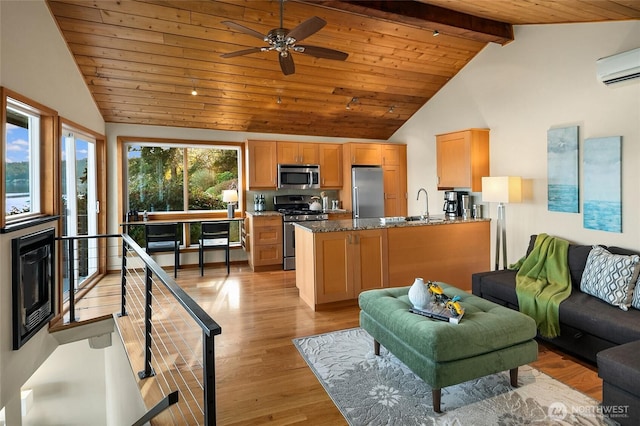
column 338, row 259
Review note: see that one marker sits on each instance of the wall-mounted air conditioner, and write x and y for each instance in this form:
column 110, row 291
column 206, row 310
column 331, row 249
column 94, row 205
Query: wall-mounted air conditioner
column 619, row 67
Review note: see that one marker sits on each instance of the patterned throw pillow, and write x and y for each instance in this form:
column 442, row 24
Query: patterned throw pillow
column 610, row 277
column 636, row 295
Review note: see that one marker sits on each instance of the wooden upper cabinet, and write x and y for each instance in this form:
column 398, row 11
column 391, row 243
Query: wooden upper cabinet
column 394, row 168
column 394, row 155
column 365, row 154
column 297, row 153
column 330, row 160
column 262, row 164
column 463, row 159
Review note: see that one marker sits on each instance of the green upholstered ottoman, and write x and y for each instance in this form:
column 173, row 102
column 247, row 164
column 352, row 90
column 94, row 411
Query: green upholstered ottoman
column 489, row 338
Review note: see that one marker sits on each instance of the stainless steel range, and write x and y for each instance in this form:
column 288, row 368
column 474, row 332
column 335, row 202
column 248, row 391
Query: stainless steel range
column 295, row 208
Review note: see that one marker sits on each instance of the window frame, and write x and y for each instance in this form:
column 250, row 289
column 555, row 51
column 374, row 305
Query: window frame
column 123, row 141
column 48, row 160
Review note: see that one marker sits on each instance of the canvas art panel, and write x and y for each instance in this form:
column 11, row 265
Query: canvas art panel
column 562, row 170
column 602, row 184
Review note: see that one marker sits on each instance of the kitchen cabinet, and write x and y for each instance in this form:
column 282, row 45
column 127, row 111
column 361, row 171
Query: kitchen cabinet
column 394, row 155
column 261, row 164
column 394, row 167
column 297, row 153
column 448, row 252
column 264, row 234
column 330, row 160
column 462, row 159
column 338, row 266
column 364, row 154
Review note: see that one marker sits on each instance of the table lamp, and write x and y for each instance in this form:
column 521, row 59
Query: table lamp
column 230, row 196
column 501, row 190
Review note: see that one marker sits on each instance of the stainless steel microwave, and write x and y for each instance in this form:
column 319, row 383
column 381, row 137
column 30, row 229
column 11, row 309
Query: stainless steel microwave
column 295, row 176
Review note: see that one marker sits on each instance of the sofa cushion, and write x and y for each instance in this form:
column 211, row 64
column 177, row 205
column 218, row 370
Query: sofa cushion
column 594, row 316
column 577, row 259
column 497, row 286
column 610, row 277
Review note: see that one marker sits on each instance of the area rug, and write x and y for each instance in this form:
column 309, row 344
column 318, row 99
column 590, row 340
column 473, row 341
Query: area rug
column 381, row 390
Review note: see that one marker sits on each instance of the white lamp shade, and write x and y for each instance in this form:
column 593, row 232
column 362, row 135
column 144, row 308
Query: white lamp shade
column 502, row 189
column 229, row 195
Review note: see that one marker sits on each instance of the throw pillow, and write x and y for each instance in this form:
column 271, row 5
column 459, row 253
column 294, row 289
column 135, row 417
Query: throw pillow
column 636, row 295
column 610, row 277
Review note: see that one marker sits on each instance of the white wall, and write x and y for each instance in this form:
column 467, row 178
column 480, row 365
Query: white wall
column 545, row 78
column 71, row 385
column 36, row 63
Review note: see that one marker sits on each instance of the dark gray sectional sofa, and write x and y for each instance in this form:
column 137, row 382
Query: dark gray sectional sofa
column 588, row 326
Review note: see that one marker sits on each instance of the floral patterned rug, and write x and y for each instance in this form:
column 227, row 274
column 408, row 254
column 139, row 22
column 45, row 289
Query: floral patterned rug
column 371, row 390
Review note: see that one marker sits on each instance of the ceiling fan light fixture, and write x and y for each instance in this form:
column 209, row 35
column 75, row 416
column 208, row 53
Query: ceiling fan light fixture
column 283, row 41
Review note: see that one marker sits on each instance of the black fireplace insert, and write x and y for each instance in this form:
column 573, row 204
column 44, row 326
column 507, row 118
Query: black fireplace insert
column 33, row 270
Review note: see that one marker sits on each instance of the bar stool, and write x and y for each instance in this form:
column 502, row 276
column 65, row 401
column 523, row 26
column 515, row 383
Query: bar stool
column 214, row 236
column 164, row 238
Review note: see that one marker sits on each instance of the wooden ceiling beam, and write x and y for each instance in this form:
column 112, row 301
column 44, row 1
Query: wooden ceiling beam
column 427, row 16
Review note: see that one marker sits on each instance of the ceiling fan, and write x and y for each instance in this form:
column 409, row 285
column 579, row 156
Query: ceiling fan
column 284, row 42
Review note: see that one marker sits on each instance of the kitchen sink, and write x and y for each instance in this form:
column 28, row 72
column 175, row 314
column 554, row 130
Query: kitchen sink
column 421, row 219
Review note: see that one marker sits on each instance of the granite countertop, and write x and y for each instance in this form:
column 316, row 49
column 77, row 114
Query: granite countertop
column 376, row 223
column 276, row 213
column 263, row 213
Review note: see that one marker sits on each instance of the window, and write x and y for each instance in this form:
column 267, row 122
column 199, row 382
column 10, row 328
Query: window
column 180, row 179
column 22, row 160
column 29, row 150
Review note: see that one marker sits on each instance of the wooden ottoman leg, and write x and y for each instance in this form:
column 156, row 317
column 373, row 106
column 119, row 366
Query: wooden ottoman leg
column 376, row 347
column 437, row 393
column 513, row 373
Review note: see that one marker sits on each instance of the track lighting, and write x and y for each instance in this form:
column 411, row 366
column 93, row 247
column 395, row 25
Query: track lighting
column 391, row 108
column 436, row 33
column 352, row 101
column 279, row 101
column 194, row 92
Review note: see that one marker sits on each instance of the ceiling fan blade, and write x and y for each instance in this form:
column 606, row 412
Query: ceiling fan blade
column 322, row 52
column 308, row 27
column 287, row 65
column 243, row 29
column 241, row 52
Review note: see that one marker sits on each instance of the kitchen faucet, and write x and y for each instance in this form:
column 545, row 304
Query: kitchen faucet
column 425, row 215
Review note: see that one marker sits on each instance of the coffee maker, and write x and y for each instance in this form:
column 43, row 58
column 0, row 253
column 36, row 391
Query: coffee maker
column 450, row 206
column 454, row 203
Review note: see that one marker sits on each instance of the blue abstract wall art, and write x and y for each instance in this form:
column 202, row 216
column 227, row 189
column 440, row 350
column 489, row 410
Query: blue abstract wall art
column 602, row 184
column 562, row 170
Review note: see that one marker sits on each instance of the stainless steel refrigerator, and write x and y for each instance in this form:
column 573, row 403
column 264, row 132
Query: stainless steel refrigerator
column 367, row 192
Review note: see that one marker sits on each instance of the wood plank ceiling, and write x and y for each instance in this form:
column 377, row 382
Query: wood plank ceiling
column 142, row 59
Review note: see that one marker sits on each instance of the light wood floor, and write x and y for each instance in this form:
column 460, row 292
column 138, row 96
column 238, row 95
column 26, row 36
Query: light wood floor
column 260, row 376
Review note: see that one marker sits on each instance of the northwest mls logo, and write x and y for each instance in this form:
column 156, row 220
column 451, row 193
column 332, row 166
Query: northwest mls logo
column 557, row 411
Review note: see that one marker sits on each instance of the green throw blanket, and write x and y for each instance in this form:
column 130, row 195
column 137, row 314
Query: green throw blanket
column 543, row 281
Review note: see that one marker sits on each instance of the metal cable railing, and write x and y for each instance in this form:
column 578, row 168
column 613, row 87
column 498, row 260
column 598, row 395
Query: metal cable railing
column 174, row 332
column 81, row 257
column 168, row 321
